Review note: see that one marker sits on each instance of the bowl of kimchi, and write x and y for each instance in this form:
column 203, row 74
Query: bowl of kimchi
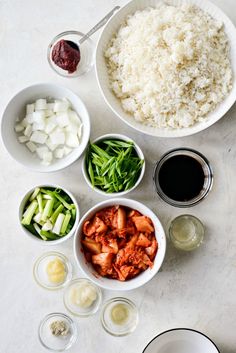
column 120, row 244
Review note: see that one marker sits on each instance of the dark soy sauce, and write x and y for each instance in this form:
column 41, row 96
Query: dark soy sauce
column 181, row 178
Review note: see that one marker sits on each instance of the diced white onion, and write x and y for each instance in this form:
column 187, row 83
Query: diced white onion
column 24, row 122
column 41, row 104
column 38, row 126
column 59, row 153
column 23, row 139
column 29, row 118
column 67, row 150
column 28, row 131
column 74, row 118
column 39, row 116
column 50, row 106
column 29, row 108
column 19, row 127
column 72, row 139
column 41, row 151
column 63, row 119
column 31, row 146
column 61, row 106
column 79, row 132
column 47, row 157
column 51, row 130
column 57, row 137
column 38, row 137
column 50, row 145
column 48, row 112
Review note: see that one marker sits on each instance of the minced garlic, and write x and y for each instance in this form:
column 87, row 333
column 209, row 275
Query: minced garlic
column 83, row 295
column 119, row 314
column 59, row 328
column 56, row 271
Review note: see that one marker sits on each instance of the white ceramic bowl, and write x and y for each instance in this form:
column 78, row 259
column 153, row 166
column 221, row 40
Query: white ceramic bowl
column 181, row 340
column 139, row 153
column 143, row 277
column 32, row 236
column 16, row 108
column 102, row 76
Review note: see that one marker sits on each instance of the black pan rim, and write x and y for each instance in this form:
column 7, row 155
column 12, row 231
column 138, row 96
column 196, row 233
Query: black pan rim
column 178, row 329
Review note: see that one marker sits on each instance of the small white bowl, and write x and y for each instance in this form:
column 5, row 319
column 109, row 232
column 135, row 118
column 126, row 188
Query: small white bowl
column 142, row 278
column 32, row 236
column 181, row 340
column 139, row 153
column 16, row 108
column 114, row 103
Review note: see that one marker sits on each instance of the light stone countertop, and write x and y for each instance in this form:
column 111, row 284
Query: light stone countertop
column 197, row 289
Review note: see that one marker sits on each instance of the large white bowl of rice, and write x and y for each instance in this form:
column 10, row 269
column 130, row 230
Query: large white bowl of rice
column 167, row 69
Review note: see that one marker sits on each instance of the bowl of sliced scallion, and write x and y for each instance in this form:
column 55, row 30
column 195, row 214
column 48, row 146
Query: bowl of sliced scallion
column 113, row 165
column 49, row 213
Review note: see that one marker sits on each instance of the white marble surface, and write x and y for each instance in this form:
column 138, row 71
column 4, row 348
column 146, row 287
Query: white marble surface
column 195, row 289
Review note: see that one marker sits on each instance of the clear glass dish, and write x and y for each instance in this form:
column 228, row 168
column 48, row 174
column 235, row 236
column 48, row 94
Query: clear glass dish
column 40, row 273
column 86, row 51
column 57, row 343
column 186, row 232
column 78, row 310
column 125, row 328
column 206, row 167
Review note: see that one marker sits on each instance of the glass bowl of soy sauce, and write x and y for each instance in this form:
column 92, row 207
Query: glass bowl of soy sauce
column 183, row 177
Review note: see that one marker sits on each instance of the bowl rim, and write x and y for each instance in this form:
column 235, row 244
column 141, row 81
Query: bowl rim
column 185, row 151
column 168, row 132
column 72, row 323
column 127, row 301
column 66, row 262
column 107, row 203
column 54, row 40
column 99, row 299
column 139, row 153
column 25, row 198
column 181, row 329
column 76, row 157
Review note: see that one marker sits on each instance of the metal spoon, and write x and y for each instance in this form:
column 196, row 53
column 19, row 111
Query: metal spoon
column 98, row 25
column 93, row 30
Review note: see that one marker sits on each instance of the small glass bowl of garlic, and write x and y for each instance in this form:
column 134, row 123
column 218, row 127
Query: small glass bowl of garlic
column 82, row 297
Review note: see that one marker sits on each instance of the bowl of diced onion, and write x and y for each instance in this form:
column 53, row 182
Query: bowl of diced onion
column 49, row 214
column 45, row 127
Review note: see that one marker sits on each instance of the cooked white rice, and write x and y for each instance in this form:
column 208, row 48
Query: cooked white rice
column 169, row 65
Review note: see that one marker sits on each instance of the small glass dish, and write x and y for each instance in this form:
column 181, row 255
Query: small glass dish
column 76, row 309
column 186, row 232
column 126, row 327
column 40, row 272
column 57, row 343
column 206, row 168
column 86, row 53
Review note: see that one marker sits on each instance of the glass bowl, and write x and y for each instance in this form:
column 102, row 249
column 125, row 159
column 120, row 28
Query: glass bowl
column 186, row 232
column 57, row 343
column 40, row 274
column 119, row 329
column 206, row 167
column 77, row 310
column 86, row 53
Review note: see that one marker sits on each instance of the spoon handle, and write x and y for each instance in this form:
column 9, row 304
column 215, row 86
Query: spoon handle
column 99, row 24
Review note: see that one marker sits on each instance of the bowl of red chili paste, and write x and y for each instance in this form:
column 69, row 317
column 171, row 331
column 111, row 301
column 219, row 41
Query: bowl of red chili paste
column 67, row 57
column 120, row 244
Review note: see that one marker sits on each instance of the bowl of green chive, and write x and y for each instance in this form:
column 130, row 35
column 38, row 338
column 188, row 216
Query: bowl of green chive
column 49, row 214
column 113, row 165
